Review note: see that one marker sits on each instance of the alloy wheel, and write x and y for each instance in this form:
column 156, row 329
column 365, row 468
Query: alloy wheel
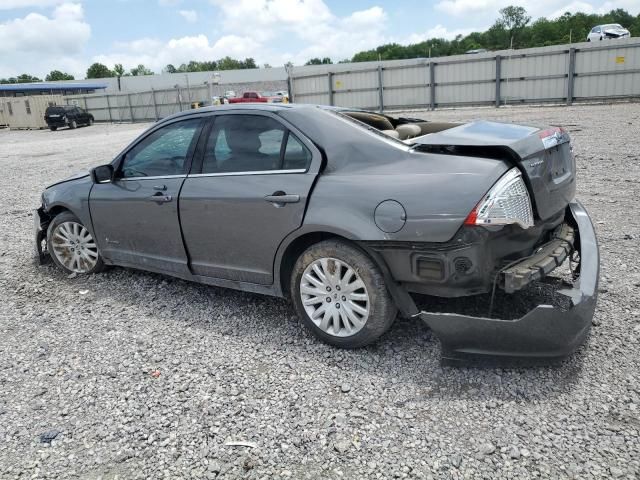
column 74, row 247
column 334, row 297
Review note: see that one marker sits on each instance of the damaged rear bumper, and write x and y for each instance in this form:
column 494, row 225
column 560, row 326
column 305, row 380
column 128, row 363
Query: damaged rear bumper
column 546, row 331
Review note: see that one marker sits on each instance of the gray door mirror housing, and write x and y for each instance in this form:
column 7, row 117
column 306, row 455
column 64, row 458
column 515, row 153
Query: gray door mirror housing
column 102, row 174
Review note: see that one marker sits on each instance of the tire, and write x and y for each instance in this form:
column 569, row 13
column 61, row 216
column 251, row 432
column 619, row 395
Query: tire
column 83, row 257
column 53, row 129
column 73, row 125
column 90, row 122
column 340, row 321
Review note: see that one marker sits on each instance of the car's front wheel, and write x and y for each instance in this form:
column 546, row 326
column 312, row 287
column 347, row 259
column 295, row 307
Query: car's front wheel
column 340, row 295
column 53, row 129
column 73, row 124
column 71, row 245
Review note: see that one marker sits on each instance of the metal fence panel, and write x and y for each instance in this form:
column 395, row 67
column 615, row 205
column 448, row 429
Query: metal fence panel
column 612, row 71
column 560, row 73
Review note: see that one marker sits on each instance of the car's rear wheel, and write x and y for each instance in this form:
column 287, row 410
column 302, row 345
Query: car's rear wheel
column 73, row 124
column 340, row 295
column 71, row 245
column 53, row 129
column 90, row 121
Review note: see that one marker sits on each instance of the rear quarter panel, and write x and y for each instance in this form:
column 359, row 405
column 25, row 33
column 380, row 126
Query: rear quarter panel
column 436, row 191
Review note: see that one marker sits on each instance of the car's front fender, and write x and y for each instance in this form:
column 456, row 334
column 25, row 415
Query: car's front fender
column 72, row 196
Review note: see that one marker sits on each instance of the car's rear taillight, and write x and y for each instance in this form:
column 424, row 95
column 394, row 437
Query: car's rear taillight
column 551, row 136
column 507, row 202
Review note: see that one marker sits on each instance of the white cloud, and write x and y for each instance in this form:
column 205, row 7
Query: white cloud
column 439, row 31
column 25, row 42
column 156, row 54
column 631, row 6
column 489, row 9
column 190, row 16
column 251, row 26
column 466, row 7
column 573, row 7
column 11, row 4
column 307, row 22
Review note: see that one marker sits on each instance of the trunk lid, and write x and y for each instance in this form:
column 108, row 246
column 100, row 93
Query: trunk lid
column 544, row 156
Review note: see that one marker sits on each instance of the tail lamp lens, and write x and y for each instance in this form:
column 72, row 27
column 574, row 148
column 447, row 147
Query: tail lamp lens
column 506, row 203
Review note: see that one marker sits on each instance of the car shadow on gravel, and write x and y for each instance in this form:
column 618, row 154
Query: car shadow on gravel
column 407, row 354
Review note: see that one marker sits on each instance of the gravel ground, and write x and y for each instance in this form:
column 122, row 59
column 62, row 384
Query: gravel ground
column 134, row 375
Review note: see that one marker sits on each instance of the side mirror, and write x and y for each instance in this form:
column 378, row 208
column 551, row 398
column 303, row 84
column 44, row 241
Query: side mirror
column 102, row 174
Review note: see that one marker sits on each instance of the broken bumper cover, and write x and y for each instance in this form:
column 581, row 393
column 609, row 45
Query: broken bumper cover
column 40, row 221
column 546, row 331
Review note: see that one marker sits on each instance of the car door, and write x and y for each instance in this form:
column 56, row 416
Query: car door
column 83, row 116
column 247, row 193
column 135, row 217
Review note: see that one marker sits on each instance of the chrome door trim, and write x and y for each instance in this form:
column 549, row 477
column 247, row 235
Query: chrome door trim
column 257, row 172
column 158, row 177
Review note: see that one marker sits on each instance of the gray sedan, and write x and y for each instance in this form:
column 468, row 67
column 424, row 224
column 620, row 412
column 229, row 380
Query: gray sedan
column 349, row 213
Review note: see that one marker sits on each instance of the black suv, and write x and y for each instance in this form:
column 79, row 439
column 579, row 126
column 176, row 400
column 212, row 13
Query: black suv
column 66, row 115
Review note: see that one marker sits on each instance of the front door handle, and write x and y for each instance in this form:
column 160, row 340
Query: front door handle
column 281, row 198
column 160, row 198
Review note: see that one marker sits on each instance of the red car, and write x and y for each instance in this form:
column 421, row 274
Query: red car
column 249, row 97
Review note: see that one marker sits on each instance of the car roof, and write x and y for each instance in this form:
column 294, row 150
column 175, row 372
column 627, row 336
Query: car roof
column 248, row 106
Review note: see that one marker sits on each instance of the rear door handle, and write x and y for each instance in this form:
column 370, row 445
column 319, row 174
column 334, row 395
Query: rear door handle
column 160, row 198
column 282, row 198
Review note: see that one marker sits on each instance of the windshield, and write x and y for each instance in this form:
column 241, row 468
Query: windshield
column 612, row 25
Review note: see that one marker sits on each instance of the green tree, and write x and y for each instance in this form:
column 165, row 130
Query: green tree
column 513, row 22
column 98, row 70
column 118, row 70
column 26, row 78
column 56, row 75
column 170, row 69
column 319, row 61
column 140, row 70
column 513, row 19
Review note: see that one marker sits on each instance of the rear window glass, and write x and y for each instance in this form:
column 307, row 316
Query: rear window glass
column 58, row 109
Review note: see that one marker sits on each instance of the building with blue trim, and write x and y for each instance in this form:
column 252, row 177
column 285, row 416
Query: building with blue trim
column 49, row 88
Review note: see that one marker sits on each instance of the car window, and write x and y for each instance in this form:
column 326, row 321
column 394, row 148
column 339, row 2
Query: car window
column 243, row 143
column 596, row 30
column 161, row 153
column 296, row 155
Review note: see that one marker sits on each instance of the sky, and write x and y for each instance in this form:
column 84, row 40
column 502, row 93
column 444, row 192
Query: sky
column 37, row 36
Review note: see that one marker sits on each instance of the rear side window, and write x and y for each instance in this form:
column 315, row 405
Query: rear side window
column 252, row 143
column 296, row 155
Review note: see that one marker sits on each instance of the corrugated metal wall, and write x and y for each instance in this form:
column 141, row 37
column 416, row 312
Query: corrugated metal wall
column 560, row 73
column 155, row 104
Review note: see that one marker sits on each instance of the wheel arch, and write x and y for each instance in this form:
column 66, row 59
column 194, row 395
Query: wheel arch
column 294, row 245
column 290, row 252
